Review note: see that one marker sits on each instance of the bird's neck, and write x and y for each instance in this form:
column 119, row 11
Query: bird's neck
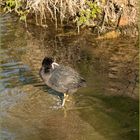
column 44, row 74
column 46, row 70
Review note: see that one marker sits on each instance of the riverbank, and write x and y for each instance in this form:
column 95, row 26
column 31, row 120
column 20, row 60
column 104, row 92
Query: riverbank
column 99, row 16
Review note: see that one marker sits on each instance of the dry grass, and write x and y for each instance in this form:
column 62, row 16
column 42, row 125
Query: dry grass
column 60, row 10
column 53, row 8
column 63, row 9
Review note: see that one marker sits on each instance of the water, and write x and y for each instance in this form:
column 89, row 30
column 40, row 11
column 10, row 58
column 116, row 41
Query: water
column 107, row 109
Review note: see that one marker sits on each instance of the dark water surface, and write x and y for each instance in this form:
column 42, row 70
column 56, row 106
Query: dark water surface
column 107, row 109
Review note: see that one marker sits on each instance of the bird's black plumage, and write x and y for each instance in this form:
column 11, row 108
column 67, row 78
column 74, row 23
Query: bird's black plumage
column 60, row 78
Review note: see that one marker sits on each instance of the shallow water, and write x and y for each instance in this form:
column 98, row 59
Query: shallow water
column 107, row 109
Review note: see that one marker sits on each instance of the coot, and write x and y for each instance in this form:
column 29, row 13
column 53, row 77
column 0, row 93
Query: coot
column 60, row 78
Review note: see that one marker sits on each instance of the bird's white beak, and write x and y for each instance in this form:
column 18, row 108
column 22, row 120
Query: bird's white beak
column 54, row 64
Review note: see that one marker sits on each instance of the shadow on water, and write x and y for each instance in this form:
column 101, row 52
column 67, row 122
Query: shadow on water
column 115, row 117
column 106, row 110
column 51, row 91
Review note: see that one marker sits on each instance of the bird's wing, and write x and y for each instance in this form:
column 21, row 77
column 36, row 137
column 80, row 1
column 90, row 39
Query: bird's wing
column 64, row 78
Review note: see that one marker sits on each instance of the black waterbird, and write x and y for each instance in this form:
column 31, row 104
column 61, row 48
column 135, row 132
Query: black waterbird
column 60, row 78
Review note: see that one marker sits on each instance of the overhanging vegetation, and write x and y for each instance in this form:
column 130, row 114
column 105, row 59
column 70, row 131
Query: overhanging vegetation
column 102, row 14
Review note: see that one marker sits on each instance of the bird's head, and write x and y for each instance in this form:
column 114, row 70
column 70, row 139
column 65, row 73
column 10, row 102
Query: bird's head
column 48, row 63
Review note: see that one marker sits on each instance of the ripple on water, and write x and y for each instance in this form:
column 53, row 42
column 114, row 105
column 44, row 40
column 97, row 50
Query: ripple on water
column 31, row 112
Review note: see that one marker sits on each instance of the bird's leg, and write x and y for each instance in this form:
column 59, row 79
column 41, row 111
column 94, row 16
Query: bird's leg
column 67, row 96
column 64, row 99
